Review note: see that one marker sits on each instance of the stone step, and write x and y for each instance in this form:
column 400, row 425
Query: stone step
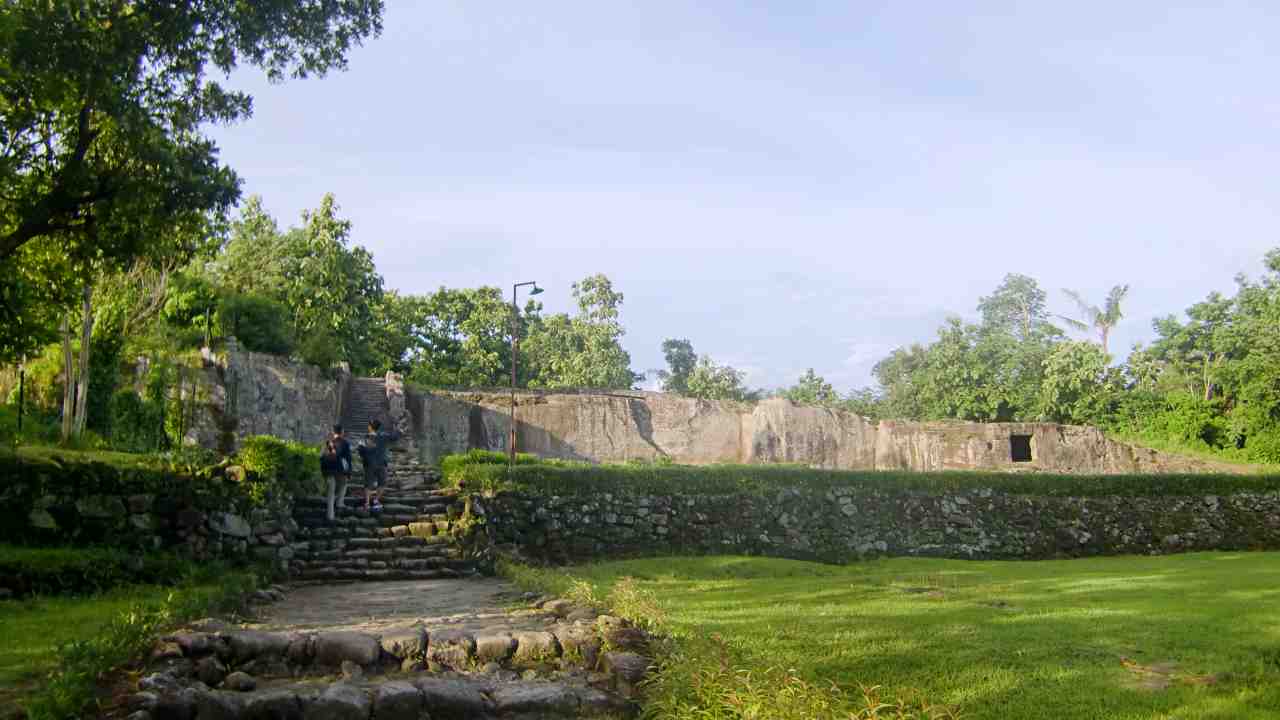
column 448, row 564
column 379, row 575
column 443, row 697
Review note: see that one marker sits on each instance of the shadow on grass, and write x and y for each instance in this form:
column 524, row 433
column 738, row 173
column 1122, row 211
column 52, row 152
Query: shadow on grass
column 1056, row 639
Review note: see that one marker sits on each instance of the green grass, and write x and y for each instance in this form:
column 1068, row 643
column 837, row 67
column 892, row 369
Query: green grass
column 54, row 649
column 33, row 629
column 1120, row 638
column 578, row 479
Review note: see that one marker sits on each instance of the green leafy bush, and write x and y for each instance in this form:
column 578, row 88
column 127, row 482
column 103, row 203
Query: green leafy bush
column 137, row 424
column 259, row 323
column 277, row 470
column 82, row 663
column 581, row 479
column 79, row 571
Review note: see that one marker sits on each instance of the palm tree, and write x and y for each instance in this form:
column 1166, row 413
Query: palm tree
column 1102, row 319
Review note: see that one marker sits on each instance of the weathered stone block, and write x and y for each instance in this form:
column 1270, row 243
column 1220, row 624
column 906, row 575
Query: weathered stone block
column 398, row 701
column 332, row 648
column 536, row 647
column 101, row 507
column 497, row 647
column 230, row 524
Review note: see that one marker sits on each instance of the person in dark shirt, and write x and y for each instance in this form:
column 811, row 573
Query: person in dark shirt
column 373, row 455
column 335, row 465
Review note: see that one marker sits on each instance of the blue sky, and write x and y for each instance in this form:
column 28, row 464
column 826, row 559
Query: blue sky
column 793, row 184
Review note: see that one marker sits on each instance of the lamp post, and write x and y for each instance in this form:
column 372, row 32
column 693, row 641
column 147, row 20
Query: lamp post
column 22, row 390
column 515, row 317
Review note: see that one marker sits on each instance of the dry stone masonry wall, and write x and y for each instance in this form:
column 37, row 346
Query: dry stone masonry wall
column 617, row 427
column 845, row 523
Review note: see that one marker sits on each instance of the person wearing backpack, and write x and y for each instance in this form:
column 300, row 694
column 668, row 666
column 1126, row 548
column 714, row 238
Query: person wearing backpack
column 373, row 455
column 329, row 467
column 335, row 465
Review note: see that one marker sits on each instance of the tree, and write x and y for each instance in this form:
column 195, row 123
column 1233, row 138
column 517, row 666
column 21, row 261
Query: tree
column 812, row 389
column 459, row 338
column 104, row 103
column 681, row 361
column 1017, row 306
column 331, row 288
column 1079, row 386
column 709, row 381
column 1102, row 319
column 103, row 106
column 585, row 350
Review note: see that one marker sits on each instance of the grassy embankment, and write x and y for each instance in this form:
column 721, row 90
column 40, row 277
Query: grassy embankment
column 55, row 648
column 1117, row 638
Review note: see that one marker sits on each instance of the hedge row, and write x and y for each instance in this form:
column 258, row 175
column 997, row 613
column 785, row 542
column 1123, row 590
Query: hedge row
column 577, row 479
column 79, row 571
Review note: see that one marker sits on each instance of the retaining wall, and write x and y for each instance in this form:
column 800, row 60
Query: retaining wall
column 846, row 523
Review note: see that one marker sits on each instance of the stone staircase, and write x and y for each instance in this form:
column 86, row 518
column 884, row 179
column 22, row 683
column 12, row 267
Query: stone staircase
column 418, row 535
column 367, row 401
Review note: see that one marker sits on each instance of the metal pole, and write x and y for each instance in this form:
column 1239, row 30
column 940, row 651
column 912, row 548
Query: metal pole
column 22, row 381
column 511, row 445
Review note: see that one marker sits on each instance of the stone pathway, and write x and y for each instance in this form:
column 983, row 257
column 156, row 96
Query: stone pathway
column 478, row 605
column 467, row 649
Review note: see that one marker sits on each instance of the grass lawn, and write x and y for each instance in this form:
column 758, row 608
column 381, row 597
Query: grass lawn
column 117, row 625
column 1183, row 636
column 33, row 629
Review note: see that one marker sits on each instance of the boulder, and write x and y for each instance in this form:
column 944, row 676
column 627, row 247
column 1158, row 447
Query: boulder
column 451, row 648
column 341, row 701
column 536, row 647
column 230, row 524
column 405, row 644
column 40, row 519
column 240, row 682
column 453, row 698
column 497, row 647
column 627, row 668
column 211, row 671
column 252, row 644
column 578, row 642
column 535, row 699
column 279, row 704
column 101, row 507
column 397, row 701
column 219, row 705
column 332, row 648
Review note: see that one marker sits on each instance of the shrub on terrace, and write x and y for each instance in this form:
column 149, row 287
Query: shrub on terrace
column 560, row 478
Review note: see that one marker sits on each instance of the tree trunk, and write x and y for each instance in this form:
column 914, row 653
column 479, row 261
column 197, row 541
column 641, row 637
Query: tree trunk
column 82, row 384
column 69, row 381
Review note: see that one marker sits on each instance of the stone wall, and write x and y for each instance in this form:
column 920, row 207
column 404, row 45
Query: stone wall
column 617, row 427
column 147, row 521
column 846, row 523
column 242, row 393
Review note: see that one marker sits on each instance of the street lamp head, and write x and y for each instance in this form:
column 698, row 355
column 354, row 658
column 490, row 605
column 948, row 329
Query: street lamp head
column 536, row 290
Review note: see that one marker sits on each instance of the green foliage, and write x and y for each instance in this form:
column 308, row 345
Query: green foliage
column 278, row 470
column 812, row 389
column 137, row 424
column 106, row 108
column 1034, row 640
column 567, row 479
column 710, row 381
column 125, row 636
column 38, row 426
column 1078, row 386
column 583, row 351
column 1103, row 319
column 83, row 570
column 258, row 322
column 681, row 362
column 1017, row 307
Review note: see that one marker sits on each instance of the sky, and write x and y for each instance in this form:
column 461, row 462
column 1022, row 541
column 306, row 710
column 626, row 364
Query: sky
column 792, row 184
